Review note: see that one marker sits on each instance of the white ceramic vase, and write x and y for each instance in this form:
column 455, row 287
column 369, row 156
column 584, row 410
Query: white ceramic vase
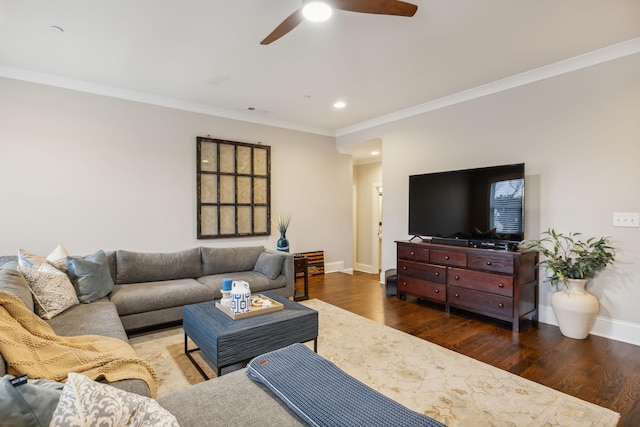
column 575, row 309
column 240, row 297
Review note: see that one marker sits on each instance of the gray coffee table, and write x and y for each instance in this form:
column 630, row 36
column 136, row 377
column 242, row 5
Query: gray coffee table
column 225, row 341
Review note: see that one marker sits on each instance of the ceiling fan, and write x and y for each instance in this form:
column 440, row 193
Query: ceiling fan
column 380, row 7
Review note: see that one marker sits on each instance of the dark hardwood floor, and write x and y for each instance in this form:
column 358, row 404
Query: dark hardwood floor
column 598, row 370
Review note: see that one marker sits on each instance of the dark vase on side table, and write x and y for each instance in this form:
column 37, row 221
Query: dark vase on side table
column 283, row 243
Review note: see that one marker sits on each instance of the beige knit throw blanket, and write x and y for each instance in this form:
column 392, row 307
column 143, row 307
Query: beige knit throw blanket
column 30, row 347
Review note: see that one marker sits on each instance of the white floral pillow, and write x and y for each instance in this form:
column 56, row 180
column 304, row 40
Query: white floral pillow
column 57, row 258
column 89, row 403
column 52, row 290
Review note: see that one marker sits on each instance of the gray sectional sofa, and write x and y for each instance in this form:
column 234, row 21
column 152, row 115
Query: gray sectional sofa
column 151, row 289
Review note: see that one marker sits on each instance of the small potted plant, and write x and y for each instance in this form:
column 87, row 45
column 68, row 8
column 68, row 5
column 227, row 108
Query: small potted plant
column 573, row 262
column 282, row 222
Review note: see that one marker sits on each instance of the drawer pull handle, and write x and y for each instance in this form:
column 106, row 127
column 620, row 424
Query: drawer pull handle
column 457, row 277
column 501, row 305
column 500, row 285
column 457, row 295
column 404, row 267
column 488, row 262
column 446, row 257
column 437, row 291
column 412, row 253
column 404, row 283
column 437, row 273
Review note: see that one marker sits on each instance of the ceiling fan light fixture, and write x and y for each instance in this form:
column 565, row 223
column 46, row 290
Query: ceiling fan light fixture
column 317, row 11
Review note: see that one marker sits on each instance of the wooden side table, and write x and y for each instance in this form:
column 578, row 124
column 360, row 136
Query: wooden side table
column 301, row 265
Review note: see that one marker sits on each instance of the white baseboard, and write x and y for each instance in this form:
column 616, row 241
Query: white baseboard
column 365, row 268
column 604, row 327
column 333, row 267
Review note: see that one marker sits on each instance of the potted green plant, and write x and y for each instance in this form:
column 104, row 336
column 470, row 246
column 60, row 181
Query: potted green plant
column 573, row 262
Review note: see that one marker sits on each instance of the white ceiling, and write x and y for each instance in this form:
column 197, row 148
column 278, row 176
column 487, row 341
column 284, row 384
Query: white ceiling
column 205, row 55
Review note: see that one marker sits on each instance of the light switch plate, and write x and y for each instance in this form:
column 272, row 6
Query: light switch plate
column 626, row 219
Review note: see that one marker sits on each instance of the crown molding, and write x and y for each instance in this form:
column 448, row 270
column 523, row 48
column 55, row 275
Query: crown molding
column 610, row 53
column 147, row 98
column 620, row 50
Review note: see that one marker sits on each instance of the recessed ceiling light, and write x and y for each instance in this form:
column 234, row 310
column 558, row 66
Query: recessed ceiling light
column 375, row 153
column 339, row 104
column 317, row 11
column 257, row 110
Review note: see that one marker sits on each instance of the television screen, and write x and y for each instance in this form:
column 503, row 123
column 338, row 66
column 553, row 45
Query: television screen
column 483, row 203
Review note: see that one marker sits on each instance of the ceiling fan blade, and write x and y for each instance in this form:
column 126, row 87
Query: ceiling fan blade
column 381, row 7
column 287, row 25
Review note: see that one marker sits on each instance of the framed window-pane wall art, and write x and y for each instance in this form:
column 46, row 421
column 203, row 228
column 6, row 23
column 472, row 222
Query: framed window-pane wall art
column 234, row 189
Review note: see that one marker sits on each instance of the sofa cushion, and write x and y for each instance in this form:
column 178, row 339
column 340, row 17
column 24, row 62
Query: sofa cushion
column 91, row 276
column 30, row 404
column 57, row 258
column 269, row 264
column 228, row 260
column 52, row 291
column 263, row 409
column 12, row 281
column 136, row 267
column 98, row 318
column 148, row 296
column 87, row 402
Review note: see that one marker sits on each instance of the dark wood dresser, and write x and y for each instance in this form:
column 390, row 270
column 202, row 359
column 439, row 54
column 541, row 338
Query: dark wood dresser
column 496, row 283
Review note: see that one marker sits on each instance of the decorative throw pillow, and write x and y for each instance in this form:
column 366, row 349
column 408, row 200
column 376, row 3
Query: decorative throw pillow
column 12, row 281
column 269, row 264
column 52, row 291
column 89, row 403
column 57, row 258
column 90, row 276
column 30, row 404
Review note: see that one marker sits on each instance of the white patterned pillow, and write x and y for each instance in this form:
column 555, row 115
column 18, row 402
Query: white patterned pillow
column 57, row 258
column 52, row 290
column 89, row 403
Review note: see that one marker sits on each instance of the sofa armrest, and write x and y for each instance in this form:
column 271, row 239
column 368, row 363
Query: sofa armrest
column 287, row 270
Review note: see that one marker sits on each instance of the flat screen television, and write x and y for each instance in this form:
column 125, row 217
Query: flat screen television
column 478, row 207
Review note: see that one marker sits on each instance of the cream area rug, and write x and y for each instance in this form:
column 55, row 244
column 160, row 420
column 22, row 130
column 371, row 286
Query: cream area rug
column 447, row 386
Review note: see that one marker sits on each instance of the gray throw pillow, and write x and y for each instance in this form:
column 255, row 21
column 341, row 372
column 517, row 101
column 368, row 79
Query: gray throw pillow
column 269, row 264
column 12, row 281
column 90, row 276
column 31, row 404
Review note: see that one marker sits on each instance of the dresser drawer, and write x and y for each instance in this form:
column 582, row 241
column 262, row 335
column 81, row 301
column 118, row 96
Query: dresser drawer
column 486, row 282
column 448, row 258
column 481, row 302
column 430, row 272
column 422, row 288
column 489, row 262
column 413, row 253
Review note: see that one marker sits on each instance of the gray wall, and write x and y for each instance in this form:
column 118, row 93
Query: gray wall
column 91, row 172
